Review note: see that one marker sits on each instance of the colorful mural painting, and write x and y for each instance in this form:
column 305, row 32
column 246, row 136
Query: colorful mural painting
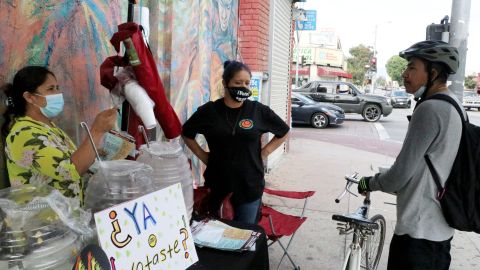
column 190, row 40
column 224, row 41
column 70, row 38
column 191, row 58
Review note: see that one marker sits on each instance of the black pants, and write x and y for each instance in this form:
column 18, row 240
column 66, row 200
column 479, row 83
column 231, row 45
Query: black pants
column 407, row 253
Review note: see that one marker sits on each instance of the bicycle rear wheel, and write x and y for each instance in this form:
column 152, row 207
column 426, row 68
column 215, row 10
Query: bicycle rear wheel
column 372, row 247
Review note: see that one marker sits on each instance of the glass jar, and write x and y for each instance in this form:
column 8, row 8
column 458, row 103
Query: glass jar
column 170, row 166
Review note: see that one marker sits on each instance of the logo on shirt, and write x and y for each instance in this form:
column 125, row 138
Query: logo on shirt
column 246, row 123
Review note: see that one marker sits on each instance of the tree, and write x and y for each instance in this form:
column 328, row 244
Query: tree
column 471, row 81
column 360, row 57
column 381, row 82
column 395, row 67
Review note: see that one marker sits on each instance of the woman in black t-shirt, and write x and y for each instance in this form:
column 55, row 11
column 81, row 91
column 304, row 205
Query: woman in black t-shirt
column 233, row 127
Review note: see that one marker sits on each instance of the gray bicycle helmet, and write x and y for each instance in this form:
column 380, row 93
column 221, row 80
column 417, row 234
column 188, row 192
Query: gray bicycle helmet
column 434, row 51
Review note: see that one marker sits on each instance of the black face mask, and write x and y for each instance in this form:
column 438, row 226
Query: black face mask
column 239, row 94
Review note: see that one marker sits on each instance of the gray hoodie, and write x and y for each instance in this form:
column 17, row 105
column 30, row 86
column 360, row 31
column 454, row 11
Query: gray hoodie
column 435, row 129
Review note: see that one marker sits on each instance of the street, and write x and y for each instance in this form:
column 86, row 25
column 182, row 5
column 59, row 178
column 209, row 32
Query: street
column 396, row 124
column 392, row 129
column 317, row 160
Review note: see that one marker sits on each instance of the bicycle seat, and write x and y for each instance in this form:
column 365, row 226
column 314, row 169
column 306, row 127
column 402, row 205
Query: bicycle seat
column 356, row 219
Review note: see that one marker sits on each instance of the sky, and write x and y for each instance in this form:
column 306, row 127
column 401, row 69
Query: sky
column 400, row 23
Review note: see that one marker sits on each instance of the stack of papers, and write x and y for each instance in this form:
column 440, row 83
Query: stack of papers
column 218, row 235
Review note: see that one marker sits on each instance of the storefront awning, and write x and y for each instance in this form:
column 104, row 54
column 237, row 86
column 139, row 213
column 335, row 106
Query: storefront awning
column 302, row 71
column 333, row 72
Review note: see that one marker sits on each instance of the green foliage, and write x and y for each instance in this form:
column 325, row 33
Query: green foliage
column 471, row 82
column 360, row 57
column 381, row 81
column 395, row 66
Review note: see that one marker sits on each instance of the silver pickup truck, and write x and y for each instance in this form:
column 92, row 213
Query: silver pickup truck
column 471, row 100
column 346, row 96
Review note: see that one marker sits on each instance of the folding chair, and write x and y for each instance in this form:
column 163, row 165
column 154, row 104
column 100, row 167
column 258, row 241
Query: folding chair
column 277, row 224
column 201, row 198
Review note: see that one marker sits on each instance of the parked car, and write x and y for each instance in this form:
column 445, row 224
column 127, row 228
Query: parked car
column 318, row 114
column 471, row 100
column 400, row 98
column 346, row 96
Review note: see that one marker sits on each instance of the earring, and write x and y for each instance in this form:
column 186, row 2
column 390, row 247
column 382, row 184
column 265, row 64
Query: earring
column 9, row 102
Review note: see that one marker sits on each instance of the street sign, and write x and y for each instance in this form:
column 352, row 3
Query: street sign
column 310, row 24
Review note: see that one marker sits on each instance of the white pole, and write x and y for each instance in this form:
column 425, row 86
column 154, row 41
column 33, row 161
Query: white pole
column 374, row 73
column 458, row 38
column 298, row 54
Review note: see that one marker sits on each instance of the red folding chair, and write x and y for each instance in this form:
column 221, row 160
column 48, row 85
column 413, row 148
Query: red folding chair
column 201, row 197
column 277, row 224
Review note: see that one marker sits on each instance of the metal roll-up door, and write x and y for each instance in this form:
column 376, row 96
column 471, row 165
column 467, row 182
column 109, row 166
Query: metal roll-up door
column 280, row 44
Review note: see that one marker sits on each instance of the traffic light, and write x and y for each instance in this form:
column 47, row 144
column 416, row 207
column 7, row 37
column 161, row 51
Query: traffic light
column 304, row 60
column 439, row 31
column 373, row 64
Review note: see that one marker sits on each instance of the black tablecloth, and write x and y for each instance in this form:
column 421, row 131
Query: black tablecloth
column 213, row 259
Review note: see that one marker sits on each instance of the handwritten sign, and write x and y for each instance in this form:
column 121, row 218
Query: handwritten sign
column 148, row 233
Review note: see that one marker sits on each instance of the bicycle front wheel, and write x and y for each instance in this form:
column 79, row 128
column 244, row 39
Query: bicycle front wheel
column 372, row 246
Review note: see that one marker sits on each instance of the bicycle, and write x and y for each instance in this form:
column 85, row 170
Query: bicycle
column 368, row 239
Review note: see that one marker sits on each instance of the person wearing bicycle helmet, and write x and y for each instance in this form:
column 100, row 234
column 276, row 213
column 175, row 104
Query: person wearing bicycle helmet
column 422, row 236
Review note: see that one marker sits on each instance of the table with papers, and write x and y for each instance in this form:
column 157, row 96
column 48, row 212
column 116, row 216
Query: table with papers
column 235, row 249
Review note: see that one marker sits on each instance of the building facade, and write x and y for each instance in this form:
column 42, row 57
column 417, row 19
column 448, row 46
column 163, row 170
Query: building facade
column 320, row 57
column 189, row 39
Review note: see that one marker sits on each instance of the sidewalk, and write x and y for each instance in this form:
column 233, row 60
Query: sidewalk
column 320, row 166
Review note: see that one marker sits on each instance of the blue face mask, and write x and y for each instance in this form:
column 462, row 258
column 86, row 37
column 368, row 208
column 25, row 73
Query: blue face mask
column 54, row 105
column 420, row 92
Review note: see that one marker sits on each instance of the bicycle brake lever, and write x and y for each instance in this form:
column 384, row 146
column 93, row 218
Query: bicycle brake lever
column 348, row 189
column 337, row 200
column 350, row 181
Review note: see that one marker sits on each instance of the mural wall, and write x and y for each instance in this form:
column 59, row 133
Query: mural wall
column 70, row 38
column 190, row 39
column 194, row 39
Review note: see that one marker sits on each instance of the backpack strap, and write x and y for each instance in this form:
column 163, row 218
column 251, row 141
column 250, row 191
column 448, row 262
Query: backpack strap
column 436, row 178
column 450, row 100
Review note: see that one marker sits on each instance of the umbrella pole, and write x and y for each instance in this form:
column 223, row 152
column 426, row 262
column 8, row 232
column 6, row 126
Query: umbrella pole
column 125, row 105
column 131, row 3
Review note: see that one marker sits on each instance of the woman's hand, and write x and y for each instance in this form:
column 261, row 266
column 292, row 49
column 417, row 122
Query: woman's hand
column 272, row 145
column 203, row 157
column 196, row 149
column 264, row 153
column 85, row 155
column 105, row 121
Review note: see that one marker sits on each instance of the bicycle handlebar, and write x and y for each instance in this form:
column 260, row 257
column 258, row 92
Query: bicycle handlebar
column 352, row 179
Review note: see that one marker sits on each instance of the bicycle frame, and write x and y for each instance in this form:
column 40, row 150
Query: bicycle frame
column 354, row 253
column 353, row 256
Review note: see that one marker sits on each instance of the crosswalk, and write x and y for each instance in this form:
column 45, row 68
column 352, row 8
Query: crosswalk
column 382, row 132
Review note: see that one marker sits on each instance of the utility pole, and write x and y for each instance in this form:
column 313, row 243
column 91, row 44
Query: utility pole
column 374, row 74
column 458, row 37
column 298, row 54
column 298, row 16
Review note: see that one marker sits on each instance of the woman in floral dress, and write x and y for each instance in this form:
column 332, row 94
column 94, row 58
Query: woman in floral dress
column 37, row 151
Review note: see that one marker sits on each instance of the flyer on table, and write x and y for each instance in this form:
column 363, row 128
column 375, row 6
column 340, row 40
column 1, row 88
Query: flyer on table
column 150, row 232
